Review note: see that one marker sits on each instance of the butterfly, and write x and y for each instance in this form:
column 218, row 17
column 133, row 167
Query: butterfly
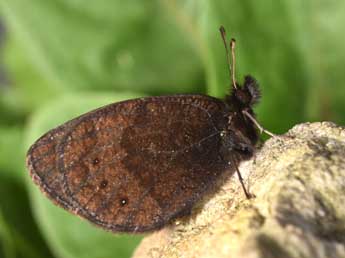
column 135, row 165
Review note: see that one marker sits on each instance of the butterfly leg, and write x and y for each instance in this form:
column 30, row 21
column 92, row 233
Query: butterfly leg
column 246, row 192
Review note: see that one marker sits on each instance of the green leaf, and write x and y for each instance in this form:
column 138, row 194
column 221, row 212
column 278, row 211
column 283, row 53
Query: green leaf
column 68, row 235
column 25, row 89
column 18, row 232
column 11, row 149
column 104, row 44
column 294, row 48
column 323, row 46
column 7, row 247
column 262, row 50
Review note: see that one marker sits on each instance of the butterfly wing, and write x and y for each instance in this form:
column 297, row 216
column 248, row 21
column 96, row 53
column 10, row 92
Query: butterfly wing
column 135, row 165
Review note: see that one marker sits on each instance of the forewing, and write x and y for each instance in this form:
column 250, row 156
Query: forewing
column 134, row 165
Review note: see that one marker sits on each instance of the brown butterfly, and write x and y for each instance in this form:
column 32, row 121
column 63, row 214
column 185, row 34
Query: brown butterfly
column 134, row 166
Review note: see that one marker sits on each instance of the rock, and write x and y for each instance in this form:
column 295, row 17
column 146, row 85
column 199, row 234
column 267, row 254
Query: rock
column 299, row 209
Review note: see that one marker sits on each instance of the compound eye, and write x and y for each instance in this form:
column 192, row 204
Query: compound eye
column 246, row 150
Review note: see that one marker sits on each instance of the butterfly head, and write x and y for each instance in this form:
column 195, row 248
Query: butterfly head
column 246, row 96
column 241, row 97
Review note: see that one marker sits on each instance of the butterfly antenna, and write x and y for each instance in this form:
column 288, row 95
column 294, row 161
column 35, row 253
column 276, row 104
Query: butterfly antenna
column 232, row 46
column 233, row 61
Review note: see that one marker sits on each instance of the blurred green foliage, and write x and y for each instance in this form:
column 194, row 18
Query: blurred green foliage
column 65, row 57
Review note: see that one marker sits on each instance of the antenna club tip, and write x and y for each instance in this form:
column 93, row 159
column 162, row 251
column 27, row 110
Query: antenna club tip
column 222, row 29
column 232, row 43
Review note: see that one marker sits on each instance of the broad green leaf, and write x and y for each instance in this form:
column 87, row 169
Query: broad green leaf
column 262, row 50
column 25, row 89
column 11, row 111
column 66, row 234
column 294, row 48
column 131, row 45
column 7, row 246
column 11, row 149
column 19, row 234
column 323, row 47
column 265, row 51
